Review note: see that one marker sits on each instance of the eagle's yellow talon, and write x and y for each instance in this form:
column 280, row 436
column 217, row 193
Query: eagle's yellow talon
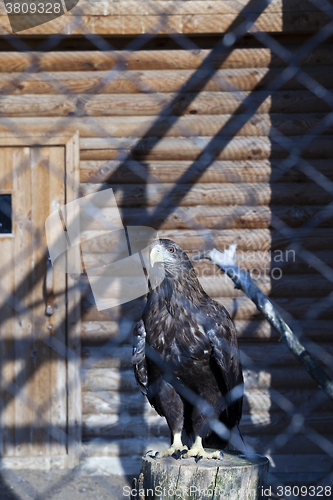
column 198, row 452
column 177, row 449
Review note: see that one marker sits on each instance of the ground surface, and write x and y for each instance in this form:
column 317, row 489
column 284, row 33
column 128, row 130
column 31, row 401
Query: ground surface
column 77, row 485
column 60, row 485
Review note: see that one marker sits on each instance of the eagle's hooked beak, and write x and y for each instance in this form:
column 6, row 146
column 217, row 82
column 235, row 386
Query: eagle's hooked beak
column 156, row 255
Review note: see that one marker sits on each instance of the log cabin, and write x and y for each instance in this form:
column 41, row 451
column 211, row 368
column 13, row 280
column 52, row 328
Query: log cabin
column 222, row 108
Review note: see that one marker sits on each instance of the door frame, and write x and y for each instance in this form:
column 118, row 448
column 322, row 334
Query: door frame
column 74, row 404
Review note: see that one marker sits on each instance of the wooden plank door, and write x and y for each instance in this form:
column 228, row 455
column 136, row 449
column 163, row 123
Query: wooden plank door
column 33, row 316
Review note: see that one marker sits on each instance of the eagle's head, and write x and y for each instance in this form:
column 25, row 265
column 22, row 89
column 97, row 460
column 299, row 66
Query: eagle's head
column 167, row 254
column 172, row 274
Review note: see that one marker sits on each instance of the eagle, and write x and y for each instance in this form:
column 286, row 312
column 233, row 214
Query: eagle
column 186, row 357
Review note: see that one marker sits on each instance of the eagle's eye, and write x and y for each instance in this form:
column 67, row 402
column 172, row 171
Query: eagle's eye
column 171, row 249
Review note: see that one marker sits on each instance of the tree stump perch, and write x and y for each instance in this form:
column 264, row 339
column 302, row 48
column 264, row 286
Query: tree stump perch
column 235, row 478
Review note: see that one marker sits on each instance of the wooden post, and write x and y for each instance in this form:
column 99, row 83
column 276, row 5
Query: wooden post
column 234, row 478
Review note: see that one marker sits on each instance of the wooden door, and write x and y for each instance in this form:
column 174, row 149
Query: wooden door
column 34, row 332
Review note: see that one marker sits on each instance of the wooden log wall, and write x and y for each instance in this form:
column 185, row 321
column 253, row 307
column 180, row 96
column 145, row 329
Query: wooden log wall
column 174, row 16
column 243, row 197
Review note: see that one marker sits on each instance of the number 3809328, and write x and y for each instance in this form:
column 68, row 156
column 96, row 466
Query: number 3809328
column 33, row 8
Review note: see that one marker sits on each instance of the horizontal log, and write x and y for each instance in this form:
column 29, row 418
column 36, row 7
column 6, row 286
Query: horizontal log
column 277, row 422
column 127, row 449
column 235, row 5
column 258, row 354
column 110, row 426
column 184, row 126
column 132, row 172
column 289, row 22
column 263, row 443
column 100, row 379
column 246, row 240
column 193, row 7
column 196, row 6
column 287, row 460
column 149, row 59
column 257, row 401
column 307, row 451
column 171, row 7
column 136, row 25
column 194, row 241
column 288, row 261
column 17, row 62
column 99, row 331
column 220, row 217
column 138, row 427
column 130, row 310
column 254, row 402
column 277, row 377
column 258, row 239
column 269, row 355
column 236, row 148
column 273, row 285
column 266, row 264
column 240, row 308
column 106, row 357
column 96, row 332
column 258, row 263
column 243, row 308
column 134, row 427
column 151, row 81
column 113, row 403
column 230, row 6
column 286, row 286
column 204, row 103
column 137, row 195
column 135, row 8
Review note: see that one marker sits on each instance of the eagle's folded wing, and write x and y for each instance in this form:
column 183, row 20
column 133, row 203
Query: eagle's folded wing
column 223, row 339
column 139, row 356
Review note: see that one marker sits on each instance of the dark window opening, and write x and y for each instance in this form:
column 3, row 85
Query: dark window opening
column 5, row 213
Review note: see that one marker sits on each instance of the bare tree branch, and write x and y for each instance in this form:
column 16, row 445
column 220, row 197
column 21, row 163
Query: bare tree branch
column 243, row 281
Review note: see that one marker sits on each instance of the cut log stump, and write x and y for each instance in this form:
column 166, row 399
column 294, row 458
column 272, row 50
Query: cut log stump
column 235, row 478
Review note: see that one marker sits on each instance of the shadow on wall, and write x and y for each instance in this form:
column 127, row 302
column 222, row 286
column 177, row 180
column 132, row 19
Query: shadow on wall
column 301, row 151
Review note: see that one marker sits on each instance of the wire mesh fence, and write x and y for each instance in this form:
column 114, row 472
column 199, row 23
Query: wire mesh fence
column 211, row 145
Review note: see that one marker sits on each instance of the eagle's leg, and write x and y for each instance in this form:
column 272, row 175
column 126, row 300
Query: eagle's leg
column 172, row 407
column 198, row 452
column 177, row 449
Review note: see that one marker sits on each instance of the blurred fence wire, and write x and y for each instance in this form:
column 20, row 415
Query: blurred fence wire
column 298, row 157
